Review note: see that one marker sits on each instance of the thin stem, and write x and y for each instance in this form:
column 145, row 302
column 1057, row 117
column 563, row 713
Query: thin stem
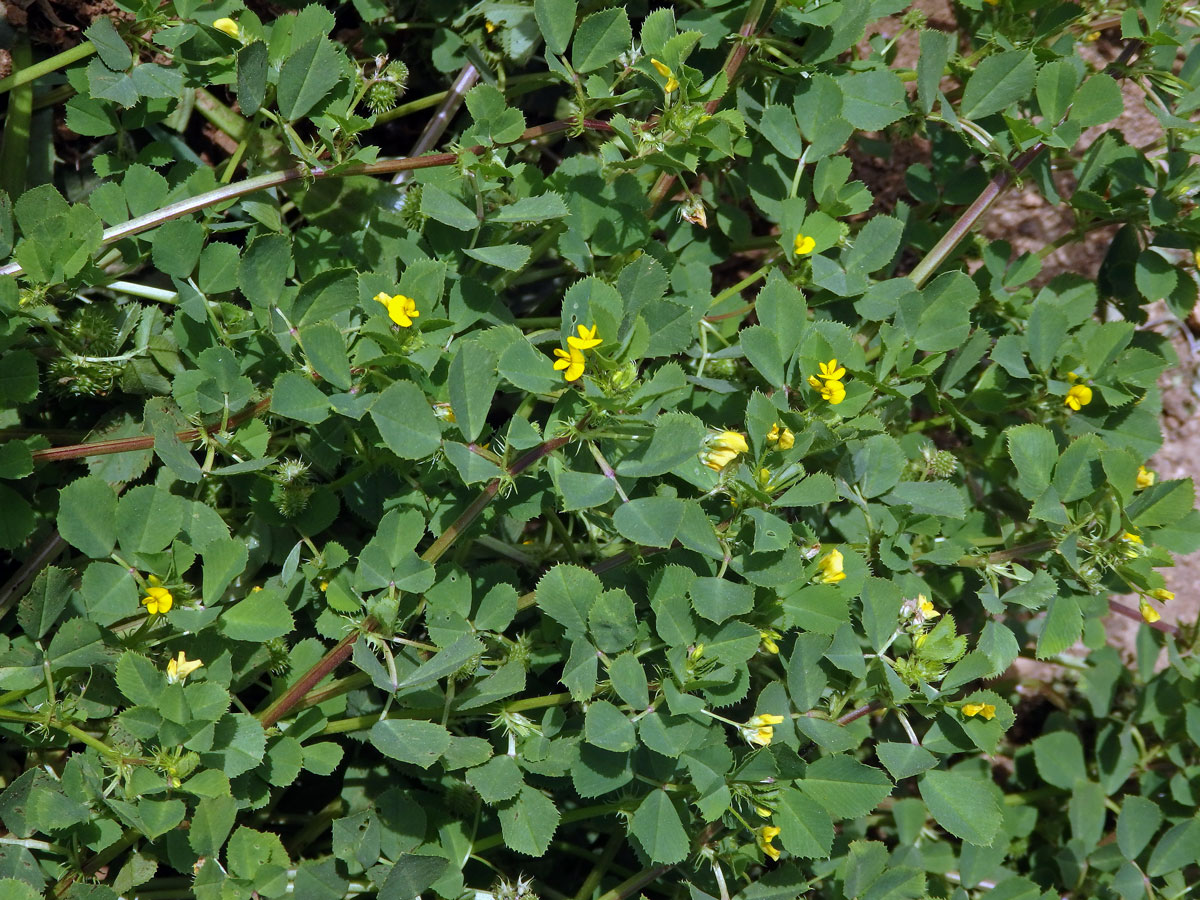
column 299, row 173
column 14, row 148
column 15, row 587
column 144, row 291
column 1130, row 613
column 1000, row 182
column 66, row 727
column 440, row 121
column 46, row 66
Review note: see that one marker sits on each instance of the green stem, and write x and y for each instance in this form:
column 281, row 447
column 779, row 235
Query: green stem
column 14, row 148
column 66, row 727
column 299, row 173
column 28, row 73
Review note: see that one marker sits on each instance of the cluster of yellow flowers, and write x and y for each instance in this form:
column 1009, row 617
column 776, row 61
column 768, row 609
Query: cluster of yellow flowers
column 1078, row 396
column 1149, row 613
column 158, row 599
column 764, row 836
column 761, row 729
column 722, row 449
column 665, row 71
column 781, row 438
column 400, row 309
column 572, row 358
column 830, row 569
column 829, row 384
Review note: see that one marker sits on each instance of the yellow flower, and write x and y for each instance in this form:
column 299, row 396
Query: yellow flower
column 571, row 360
column 1162, row 594
column 665, row 71
column 256, row 589
column 1092, row 36
column 927, row 610
column 324, row 586
column 1079, row 396
column 1145, row 478
column 158, row 599
column 761, row 736
column 987, row 710
column 768, row 640
column 1132, row 538
column 763, row 837
column 400, row 309
column 717, row 459
column 830, row 568
column 783, row 438
column 489, row 27
column 831, row 371
column 730, row 440
column 228, row 26
column 443, row 411
column 765, row 719
column 804, row 245
column 1149, row 613
column 587, row 339
column 763, row 811
column 180, row 668
column 833, row 391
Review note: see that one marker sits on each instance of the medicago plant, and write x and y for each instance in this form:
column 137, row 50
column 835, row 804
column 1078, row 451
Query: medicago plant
column 627, row 499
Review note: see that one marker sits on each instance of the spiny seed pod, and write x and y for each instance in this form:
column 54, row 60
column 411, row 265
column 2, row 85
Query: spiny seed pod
column 467, row 670
column 397, row 74
column 291, row 499
column 291, row 471
column 69, row 378
column 942, row 464
column 722, row 368
column 521, row 650
column 95, row 331
column 410, row 209
column 278, row 655
column 381, row 96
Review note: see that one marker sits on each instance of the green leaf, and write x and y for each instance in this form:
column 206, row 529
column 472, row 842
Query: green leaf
column 449, row 210
column 264, row 268
column 612, row 621
column 657, row 828
column 1161, row 504
column 111, row 49
column 497, row 779
column 410, row 740
column 18, row 377
column 158, row 82
column 1179, row 847
column 676, row 440
column 1059, row 759
column 905, row 760
column 717, row 599
column 211, row 823
column 40, row 608
column 252, row 77
column 606, row 727
column 406, row 421
column 650, row 521
column 261, row 616
column 813, row 490
column 566, row 593
column 962, row 805
column 997, row 82
column 1098, row 101
column 511, row 257
column 1034, row 452
column 472, row 385
column 529, row 822
column 296, row 397
column 872, row 100
column 307, row 76
column 878, row 464
column 935, row 498
column 934, row 53
column 875, row 245
column 443, row 663
column 238, row 745
column 177, row 246
column 1078, row 471
column 224, row 560
column 844, row 786
column 601, row 38
column 411, row 876
column 148, row 518
column 1056, row 83
column 556, row 21
column 325, row 348
column 805, row 828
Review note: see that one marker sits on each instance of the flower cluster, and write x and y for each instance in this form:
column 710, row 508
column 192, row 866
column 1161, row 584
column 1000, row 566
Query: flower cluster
column 829, row 383
column 158, row 599
column 1149, row 613
column 400, row 309
column 781, row 438
column 761, row 729
column 665, row 71
column 722, row 449
column 764, row 836
column 829, row 569
column 572, row 359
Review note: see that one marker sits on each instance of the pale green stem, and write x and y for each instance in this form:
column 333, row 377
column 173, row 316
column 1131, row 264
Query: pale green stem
column 46, row 66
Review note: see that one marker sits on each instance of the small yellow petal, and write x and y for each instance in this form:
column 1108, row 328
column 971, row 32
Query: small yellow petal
column 1149, row 613
column 228, row 26
column 1162, row 594
column 804, row 244
column 661, row 68
column 1145, row 478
